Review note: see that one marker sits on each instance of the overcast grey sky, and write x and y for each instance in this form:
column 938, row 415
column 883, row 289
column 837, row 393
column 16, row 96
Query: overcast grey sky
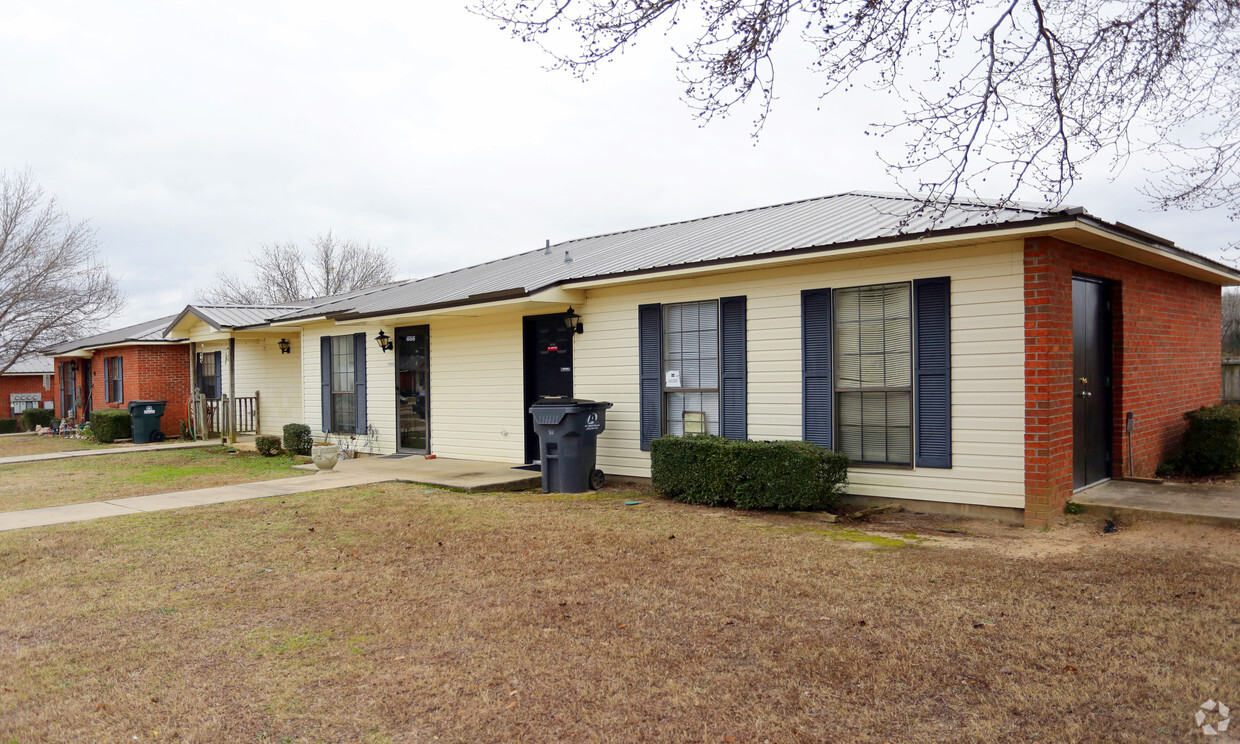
column 189, row 133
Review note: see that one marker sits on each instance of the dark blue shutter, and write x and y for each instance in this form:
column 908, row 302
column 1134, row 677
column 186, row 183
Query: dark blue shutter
column 732, row 368
column 817, row 393
column 650, row 372
column 325, row 375
column 107, row 379
column 359, row 379
column 120, row 379
column 932, row 379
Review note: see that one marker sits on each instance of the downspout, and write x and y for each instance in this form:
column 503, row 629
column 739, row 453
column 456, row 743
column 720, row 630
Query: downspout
column 232, row 389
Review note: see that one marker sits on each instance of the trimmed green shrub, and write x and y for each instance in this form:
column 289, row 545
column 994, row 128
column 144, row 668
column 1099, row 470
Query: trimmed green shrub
column 297, row 439
column 267, row 446
column 32, row 417
column 1212, row 442
column 110, row 424
column 9, row 426
column 714, row 471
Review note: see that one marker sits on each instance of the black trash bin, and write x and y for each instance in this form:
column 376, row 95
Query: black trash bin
column 568, row 430
column 144, row 415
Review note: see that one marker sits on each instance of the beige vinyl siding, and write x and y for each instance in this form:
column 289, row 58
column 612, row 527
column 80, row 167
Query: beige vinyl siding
column 987, row 310
column 477, row 388
column 380, row 388
column 260, row 367
column 275, row 376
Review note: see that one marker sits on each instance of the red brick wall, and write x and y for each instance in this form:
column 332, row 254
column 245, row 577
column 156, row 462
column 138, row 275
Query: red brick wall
column 1166, row 360
column 148, row 372
column 22, row 384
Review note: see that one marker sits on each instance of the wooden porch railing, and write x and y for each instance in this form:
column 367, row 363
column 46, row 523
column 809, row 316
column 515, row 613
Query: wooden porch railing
column 224, row 417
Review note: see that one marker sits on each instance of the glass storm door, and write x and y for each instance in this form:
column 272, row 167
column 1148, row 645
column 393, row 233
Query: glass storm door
column 413, row 387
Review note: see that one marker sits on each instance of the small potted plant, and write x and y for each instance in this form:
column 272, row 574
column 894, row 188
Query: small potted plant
column 325, row 455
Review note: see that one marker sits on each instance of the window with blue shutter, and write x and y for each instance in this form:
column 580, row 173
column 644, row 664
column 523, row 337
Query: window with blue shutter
column 343, row 375
column 932, row 372
column 692, row 368
column 876, row 371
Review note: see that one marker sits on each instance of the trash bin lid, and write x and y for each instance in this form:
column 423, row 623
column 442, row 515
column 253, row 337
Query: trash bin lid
column 569, row 403
column 560, row 401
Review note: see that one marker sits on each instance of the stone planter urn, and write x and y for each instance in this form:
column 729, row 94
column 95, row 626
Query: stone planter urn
column 325, row 456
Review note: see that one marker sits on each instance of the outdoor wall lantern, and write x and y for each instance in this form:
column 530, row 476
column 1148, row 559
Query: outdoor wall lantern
column 285, row 346
column 573, row 321
column 384, row 342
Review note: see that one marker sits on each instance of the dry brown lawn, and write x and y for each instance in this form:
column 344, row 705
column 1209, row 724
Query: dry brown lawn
column 403, row 614
column 33, row 445
column 30, row 485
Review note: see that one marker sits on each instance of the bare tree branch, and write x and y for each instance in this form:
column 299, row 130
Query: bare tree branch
column 282, row 272
column 1001, row 96
column 53, row 283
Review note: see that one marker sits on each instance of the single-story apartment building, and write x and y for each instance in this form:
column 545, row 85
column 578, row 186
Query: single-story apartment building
column 107, row 370
column 974, row 357
column 26, row 384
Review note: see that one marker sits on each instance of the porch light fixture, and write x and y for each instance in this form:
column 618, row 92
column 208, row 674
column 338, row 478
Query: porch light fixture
column 573, row 321
column 384, row 342
column 285, row 346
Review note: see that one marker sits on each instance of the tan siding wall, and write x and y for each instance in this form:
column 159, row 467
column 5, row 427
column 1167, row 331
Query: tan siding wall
column 477, row 388
column 261, row 367
column 477, row 392
column 277, row 377
column 987, row 364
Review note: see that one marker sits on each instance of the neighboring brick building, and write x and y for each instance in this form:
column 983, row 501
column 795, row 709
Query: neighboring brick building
column 133, row 363
column 26, row 384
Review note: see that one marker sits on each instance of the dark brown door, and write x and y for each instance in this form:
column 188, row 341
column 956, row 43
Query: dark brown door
column 413, row 389
column 548, row 368
column 1091, row 381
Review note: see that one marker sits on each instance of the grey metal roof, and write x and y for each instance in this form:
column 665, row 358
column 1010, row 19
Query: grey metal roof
column 236, row 316
column 147, row 332
column 823, row 222
column 31, row 365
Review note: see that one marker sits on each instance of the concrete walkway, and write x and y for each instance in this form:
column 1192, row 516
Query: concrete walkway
column 121, row 450
column 468, row 476
column 464, row 475
column 1216, row 503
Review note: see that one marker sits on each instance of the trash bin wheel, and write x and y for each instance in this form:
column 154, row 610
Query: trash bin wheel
column 157, row 436
column 597, row 479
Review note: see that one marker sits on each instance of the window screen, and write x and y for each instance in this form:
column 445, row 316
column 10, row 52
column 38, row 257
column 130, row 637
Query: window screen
column 873, row 380
column 691, row 367
column 344, row 403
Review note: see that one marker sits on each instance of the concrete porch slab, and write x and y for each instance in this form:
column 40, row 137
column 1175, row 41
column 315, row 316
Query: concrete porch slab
column 466, row 475
column 1215, row 503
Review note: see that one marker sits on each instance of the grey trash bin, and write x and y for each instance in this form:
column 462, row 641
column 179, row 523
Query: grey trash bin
column 145, row 416
column 568, row 430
